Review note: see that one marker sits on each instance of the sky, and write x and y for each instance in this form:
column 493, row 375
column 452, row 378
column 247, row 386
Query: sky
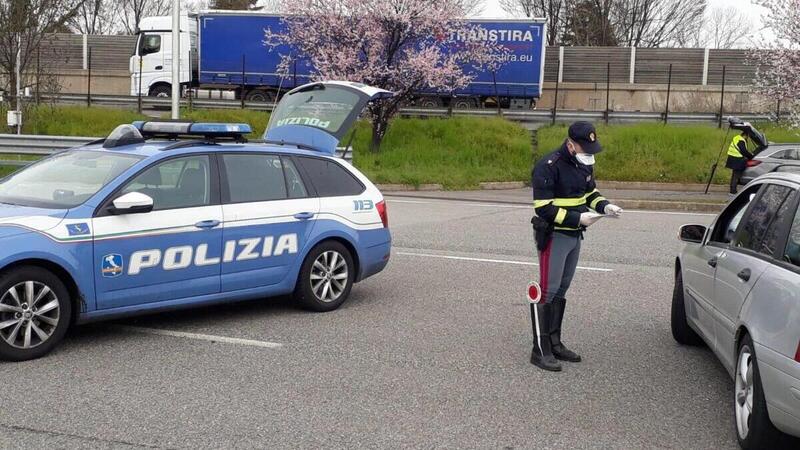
column 492, row 9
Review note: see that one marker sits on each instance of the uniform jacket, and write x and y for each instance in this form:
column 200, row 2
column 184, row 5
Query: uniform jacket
column 563, row 188
column 738, row 154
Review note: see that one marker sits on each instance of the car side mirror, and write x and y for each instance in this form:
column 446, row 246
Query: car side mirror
column 692, row 233
column 131, row 203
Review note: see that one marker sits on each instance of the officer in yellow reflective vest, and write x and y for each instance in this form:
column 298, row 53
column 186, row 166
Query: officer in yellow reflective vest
column 738, row 155
column 564, row 198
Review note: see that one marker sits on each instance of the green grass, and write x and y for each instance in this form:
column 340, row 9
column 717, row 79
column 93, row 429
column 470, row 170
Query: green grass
column 458, row 152
column 658, row 153
column 461, row 152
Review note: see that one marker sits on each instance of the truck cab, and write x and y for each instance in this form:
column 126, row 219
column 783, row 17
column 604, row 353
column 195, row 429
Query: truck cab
column 151, row 62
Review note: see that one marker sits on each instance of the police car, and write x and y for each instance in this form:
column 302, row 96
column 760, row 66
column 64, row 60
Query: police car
column 164, row 215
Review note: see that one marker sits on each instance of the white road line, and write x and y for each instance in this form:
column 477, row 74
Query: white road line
column 513, row 206
column 200, row 337
column 496, row 261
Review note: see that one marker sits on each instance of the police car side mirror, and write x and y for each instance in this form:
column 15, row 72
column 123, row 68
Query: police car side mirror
column 132, row 203
column 692, row 233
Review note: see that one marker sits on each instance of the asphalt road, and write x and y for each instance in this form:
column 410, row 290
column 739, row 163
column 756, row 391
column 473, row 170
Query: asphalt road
column 433, row 352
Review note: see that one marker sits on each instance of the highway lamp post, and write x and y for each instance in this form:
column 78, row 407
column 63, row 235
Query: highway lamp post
column 176, row 58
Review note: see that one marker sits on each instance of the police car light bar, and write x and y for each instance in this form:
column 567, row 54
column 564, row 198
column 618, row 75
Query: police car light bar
column 175, row 129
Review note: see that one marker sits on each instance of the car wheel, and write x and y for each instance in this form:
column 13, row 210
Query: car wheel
column 753, row 427
column 35, row 312
column 326, row 277
column 681, row 330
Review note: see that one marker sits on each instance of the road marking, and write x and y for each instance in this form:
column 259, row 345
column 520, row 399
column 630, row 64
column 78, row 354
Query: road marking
column 200, row 337
column 513, row 206
column 487, row 260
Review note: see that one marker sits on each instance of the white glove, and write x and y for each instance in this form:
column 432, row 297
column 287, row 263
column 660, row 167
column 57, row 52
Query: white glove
column 613, row 210
column 589, row 218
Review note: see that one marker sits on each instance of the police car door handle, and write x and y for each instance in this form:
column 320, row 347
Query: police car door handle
column 304, row 215
column 207, row 224
column 713, row 262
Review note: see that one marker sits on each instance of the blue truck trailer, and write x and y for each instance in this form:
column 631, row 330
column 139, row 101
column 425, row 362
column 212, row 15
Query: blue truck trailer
column 226, row 50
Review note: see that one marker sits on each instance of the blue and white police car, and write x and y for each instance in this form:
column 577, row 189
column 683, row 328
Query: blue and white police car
column 164, row 215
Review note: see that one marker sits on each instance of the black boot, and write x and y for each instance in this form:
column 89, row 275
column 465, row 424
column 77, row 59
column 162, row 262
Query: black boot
column 560, row 351
column 542, row 354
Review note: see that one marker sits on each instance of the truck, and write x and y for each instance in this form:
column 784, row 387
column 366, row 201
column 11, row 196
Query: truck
column 224, row 51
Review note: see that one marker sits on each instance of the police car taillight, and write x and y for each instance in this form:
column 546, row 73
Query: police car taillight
column 381, row 206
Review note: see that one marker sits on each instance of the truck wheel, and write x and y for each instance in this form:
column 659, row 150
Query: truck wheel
column 463, row 103
column 260, row 96
column 326, row 277
column 35, row 312
column 161, row 91
column 681, row 331
column 430, row 102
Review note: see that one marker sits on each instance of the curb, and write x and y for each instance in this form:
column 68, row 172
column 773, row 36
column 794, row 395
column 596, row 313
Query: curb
column 651, row 205
column 611, row 185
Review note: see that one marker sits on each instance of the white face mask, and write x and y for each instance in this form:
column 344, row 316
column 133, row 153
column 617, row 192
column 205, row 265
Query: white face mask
column 585, row 159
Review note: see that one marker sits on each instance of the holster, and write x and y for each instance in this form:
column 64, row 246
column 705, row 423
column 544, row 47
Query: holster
column 542, row 232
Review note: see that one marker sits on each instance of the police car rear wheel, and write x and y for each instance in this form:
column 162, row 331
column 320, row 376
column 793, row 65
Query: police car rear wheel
column 326, row 277
column 35, row 312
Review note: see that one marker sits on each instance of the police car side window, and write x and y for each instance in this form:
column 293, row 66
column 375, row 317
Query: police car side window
column 294, row 182
column 177, row 183
column 329, row 178
column 254, row 178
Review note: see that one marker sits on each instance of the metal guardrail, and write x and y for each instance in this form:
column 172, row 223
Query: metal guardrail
column 32, row 145
column 517, row 115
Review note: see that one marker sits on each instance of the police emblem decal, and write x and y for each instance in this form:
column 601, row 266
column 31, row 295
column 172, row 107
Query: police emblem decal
column 78, row 229
column 592, row 137
column 111, row 265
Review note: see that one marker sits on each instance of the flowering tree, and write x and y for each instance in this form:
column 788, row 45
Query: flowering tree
column 399, row 45
column 778, row 76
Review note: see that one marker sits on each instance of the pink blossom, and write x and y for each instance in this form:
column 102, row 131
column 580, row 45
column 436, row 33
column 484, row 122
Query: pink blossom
column 400, row 45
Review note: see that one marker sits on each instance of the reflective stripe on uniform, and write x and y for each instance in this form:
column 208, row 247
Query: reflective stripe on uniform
column 561, row 215
column 566, row 229
column 597, row 200
column 733, row 149
column 540, row 203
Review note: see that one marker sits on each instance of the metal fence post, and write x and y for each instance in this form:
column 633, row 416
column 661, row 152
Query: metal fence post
column 38, row 72
column 778, row 112
column 722, row 99
column 243, row 76
column 555, row 104
column 139, row 100
column 496, row 93
column 608, row 91
column 669, row 89
column 89, row 82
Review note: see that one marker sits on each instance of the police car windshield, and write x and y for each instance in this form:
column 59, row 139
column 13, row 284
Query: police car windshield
column 64, row 180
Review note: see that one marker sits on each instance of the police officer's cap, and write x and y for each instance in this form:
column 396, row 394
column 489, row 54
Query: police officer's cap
column 584, row 134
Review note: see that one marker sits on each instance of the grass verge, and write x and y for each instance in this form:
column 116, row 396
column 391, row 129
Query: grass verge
column 658, row 153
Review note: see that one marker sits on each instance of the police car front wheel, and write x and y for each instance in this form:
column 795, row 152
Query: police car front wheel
column 35, row 312
column 326, row 277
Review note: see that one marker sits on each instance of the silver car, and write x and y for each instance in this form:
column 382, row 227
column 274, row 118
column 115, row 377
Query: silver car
column 775, row 158
column 737, row 288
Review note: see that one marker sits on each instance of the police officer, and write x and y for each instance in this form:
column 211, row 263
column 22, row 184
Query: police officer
column 564, row 195
column 738, row 155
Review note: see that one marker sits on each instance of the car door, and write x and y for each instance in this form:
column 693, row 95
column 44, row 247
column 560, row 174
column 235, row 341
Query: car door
column 749, row 255
column 172, row 252
column 700, row 263
column 268, row 216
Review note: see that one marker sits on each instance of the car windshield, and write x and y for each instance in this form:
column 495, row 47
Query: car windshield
column 64, row 180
